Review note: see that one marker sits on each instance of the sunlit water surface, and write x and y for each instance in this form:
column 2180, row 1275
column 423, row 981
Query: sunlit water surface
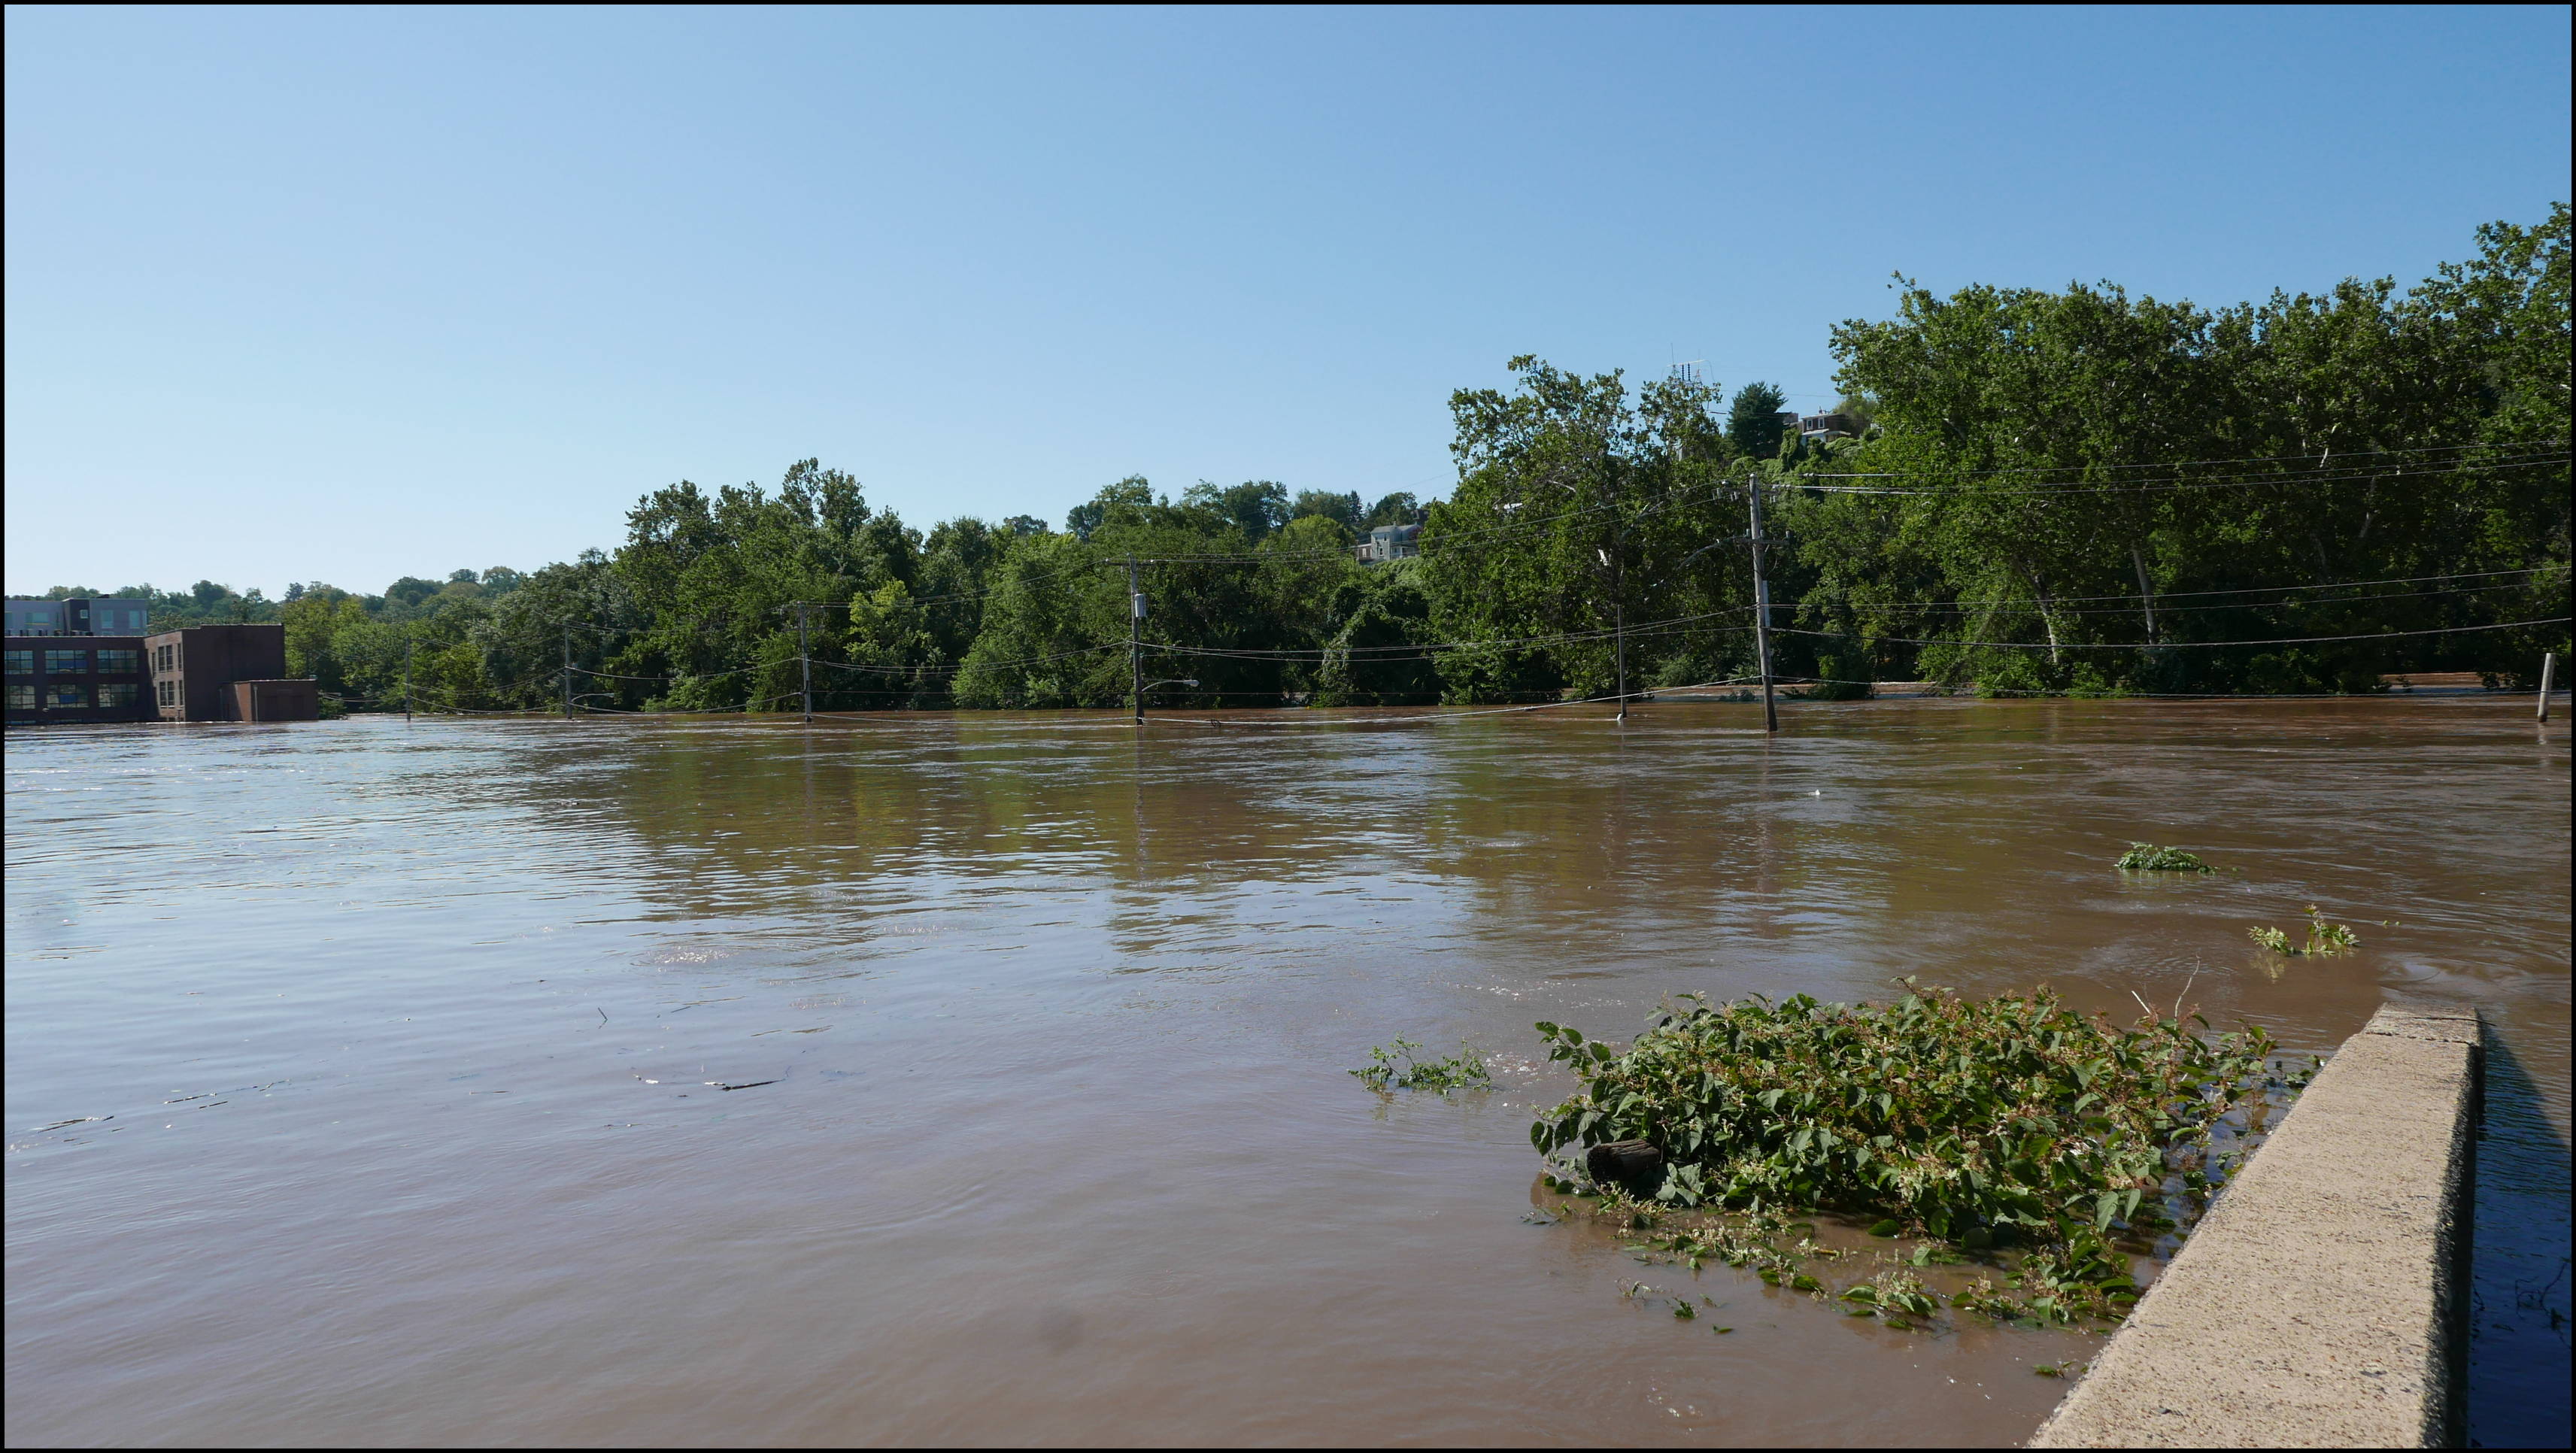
column 404, row 1045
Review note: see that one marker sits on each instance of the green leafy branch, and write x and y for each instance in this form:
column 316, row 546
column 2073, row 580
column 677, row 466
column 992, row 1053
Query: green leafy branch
column 2148, row 858
column 1457, row 1072
column 2324, row 939
column 2011, row 1123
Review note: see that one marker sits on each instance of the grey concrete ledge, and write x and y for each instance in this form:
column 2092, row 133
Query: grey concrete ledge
column 2320, row 1302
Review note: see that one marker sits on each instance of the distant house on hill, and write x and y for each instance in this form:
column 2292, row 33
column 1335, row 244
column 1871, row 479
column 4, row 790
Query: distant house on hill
column 1390, row 542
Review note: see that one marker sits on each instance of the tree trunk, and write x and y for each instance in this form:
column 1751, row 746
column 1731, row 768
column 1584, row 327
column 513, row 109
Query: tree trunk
column 2047, row 618
column 2146, row 595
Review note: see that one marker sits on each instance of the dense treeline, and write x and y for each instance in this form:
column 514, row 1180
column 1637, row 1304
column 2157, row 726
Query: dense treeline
column 2046, row 491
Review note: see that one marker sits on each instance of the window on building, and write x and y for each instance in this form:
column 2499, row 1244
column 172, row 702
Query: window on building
column 117, row 693
column 60, row 662
column 169, row 693
column 66, row 696
column 22, row 697
column 160, row 658
column 120, row 661
column 22, row 663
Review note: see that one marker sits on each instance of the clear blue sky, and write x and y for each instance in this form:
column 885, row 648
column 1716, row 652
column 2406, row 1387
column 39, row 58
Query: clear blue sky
column 347, row 295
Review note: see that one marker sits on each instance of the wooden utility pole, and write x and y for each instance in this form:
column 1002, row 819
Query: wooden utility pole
column 1135, row 644
column 805, row 661
column 1618, row 622
column 1762, row 614
column 406, row 673
column 567, row 671
column 1623, row 658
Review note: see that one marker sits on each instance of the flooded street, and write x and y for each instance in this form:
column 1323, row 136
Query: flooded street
column 981, row 1079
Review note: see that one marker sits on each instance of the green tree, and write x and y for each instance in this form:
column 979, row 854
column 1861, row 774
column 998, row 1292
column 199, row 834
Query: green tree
column 1577, row 512
column 1399, row 508
column 1753, row 424
column 1256, row 507
column 723, row 576
column 1342, row 509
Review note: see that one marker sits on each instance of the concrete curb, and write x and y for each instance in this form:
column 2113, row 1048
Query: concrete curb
column 2321, row 1303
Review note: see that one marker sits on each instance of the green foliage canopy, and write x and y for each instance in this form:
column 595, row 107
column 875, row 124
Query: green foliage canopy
column 2075, row 491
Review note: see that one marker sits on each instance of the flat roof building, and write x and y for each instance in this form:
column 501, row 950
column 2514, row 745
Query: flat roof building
column 199, row 673
column 194, row 670
column 55, row 678
column 77, row 616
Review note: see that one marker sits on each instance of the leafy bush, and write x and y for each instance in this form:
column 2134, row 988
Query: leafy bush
column 2148, row 858
column 2324, row 939
column 1843, row 675
column 1458, row 1072
column 2089, row 683
column 2005, row 1122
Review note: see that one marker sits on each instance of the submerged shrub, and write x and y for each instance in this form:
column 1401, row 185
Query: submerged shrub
column 2324, row 938
column 2148, row 858
column 2004, row 1122
column 1842, row 675
column 1457, row 1072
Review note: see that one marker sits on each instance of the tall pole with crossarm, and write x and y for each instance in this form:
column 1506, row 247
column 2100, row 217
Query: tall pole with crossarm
column 1762, row 615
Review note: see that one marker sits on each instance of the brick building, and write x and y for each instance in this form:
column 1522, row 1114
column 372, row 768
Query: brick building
column 53, row 678
column 64, row 666
column 196, row 669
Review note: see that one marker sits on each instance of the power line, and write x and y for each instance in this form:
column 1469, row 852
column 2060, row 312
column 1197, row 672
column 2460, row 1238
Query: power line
column 2185, row 645
column 2164, row 595
column 2146, row 486
column 2322, row 459
column 2050, row 608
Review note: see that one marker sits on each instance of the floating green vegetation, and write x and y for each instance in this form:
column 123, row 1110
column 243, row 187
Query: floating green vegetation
column 2010, row 1131
column 1458, row 1072
column 2324, row 939
column 2148, row 858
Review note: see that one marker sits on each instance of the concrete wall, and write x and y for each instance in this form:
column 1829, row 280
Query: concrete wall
column 2322, row 1302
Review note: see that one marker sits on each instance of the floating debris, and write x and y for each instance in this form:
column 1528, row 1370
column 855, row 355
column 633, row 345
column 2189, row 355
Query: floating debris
column 1458, row 1072
column 2148, row 858
column 1980, row 1126
column 2324, row 939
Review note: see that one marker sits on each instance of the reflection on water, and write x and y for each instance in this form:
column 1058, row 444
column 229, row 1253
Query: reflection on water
column 409, row 1051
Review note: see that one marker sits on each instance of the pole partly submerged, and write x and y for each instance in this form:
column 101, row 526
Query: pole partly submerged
column 1762, row 614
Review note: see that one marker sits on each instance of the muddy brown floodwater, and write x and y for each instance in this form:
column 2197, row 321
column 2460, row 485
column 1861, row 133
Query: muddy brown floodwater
column 980, row 1079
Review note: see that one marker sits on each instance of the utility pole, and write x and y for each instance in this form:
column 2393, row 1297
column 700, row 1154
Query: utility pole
column 1623, row 656
column 2548, row 669
column 1135, row 646
column 406, row 673
column 567, row 670
column 806, row 661
column 1618, row 621
column 1762, row 613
